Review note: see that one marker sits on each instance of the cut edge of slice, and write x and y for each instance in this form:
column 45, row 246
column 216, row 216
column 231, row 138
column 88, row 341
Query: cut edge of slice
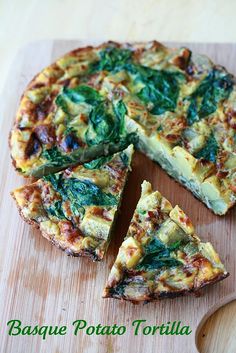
column 194, row 174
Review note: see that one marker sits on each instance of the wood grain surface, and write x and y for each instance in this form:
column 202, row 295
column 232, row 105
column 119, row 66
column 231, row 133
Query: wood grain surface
column 221, row 325
column 41, row 285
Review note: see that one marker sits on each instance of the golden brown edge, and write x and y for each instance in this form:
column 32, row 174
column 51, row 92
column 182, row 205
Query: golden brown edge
column 82, row 253
column 167, row 295
column 69, row 252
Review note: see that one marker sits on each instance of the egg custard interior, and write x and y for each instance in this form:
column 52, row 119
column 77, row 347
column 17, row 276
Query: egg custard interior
column 161, row 256
column 95, row 100
column 76, row 209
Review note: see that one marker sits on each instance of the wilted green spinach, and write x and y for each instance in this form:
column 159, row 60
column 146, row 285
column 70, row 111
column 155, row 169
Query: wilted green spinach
column 210, row 150
column 158, row 255
column 80, row 193
column 204, row 101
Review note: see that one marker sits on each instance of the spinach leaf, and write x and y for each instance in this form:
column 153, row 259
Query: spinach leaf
column 120, row 110
column 163, row 93
column 119, row 289
column 161, row 87
column 216, row 87
column 56, row 210
column 69, row 130
column 210, row 150
column 62, row 102
column 54, row 155
column 105, row 127
column 101, row 125
column 97, row 163
column 55, row 180
column 87, row 193
column 154, row 245
column 124, row 158
column 79, row 94
column 175, row 245
column 80, row 193
column 82, row 94
column 157, row 255
column 112, row 59
column 156, row 261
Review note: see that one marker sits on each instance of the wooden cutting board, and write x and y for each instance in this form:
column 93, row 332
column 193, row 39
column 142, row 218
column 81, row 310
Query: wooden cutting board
column 41, row 285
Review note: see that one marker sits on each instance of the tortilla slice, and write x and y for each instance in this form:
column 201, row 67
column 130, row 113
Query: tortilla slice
column 161, row 256
column 76, row 209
